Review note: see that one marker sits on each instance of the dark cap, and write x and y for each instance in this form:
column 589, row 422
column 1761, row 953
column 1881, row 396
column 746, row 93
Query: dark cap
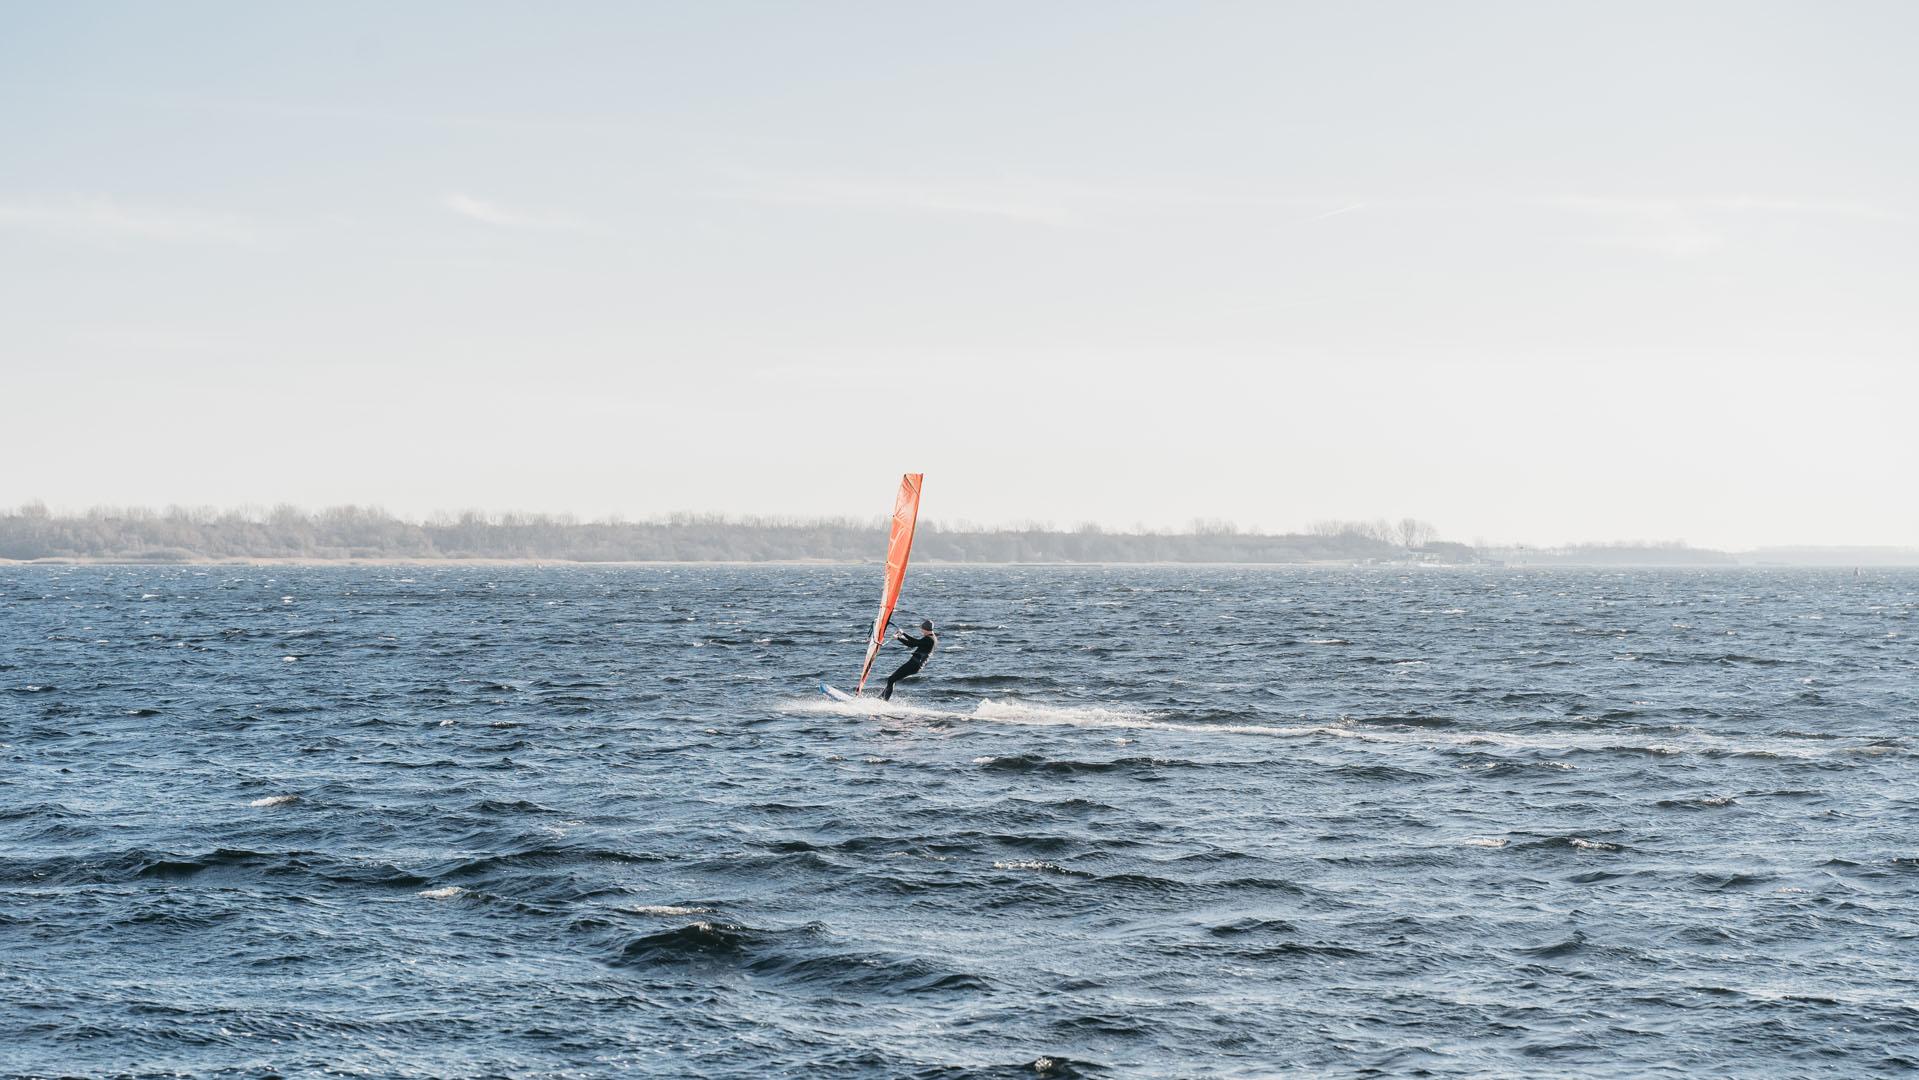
column 926, row 624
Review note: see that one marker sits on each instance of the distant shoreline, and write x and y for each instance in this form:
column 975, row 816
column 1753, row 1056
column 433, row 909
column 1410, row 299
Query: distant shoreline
column 462, row 561
column 1328, row 564
column 362, row 536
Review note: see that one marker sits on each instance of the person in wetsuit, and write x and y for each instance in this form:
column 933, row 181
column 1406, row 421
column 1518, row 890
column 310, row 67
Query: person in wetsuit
column 922, row 647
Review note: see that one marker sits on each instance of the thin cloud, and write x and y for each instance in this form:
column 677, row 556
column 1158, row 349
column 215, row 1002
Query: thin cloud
column 1808, row 208
column 274, row 110
column 1733, row 204
column 1034, row 204
column 488, row 212
column 1333, row 213
column 1667, row 227
column 1687, row 228
column 1059, row 204
column 106, row 219
column 1586, row 204
column 1676, row 244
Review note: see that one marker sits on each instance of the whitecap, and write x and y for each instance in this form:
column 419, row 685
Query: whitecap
column 446, row 893
column 275, row 800
column 864, row 706
column 667, row 909
column 1592, row 845
column 1484, row 841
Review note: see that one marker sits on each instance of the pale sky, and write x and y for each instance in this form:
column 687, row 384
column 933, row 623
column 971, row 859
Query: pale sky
column 1533, row 271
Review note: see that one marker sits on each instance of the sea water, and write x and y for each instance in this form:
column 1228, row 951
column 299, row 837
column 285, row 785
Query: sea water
column 1132, row 821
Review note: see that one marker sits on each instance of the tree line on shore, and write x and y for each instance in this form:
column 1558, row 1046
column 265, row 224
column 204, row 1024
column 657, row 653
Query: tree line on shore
column 185, row 534
column 180, row 534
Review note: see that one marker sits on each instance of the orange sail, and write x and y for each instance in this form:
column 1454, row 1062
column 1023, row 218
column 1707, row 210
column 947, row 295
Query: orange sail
column 899, row 544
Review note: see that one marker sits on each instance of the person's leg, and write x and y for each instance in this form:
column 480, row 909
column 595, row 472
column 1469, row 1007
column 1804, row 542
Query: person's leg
column 908, row 668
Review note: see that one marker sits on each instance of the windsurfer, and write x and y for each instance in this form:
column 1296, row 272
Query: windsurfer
column 922, row 647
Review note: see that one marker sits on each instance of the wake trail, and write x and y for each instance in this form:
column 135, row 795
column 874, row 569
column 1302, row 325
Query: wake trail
column 1027, row 714
column 1088, row 716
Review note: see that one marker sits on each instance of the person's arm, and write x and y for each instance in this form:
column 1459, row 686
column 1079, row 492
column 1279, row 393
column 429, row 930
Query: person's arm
column 910, row 641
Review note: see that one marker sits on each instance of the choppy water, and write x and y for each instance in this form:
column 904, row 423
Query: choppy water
column 1133, row 822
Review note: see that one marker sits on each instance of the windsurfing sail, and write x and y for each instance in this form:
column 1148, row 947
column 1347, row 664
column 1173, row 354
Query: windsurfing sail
column 899, row 545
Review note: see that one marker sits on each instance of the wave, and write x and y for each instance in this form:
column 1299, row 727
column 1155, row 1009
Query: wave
column 1251, row 925
column 222, row 865
column 983, row 682
column 704, row 939
column 49, row 810
column 1552, row 950
column 1719, row 882
column 539, row 858
column 494, row 807
column 1039, row 866
column 1571, row 843
column 805, row 954
column 1038, row 764
column 1286, row 950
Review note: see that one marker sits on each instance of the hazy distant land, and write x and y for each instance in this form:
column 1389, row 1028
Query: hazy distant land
column 181, row 535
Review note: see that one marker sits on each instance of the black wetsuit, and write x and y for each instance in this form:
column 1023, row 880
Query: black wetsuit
column 922, row 648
